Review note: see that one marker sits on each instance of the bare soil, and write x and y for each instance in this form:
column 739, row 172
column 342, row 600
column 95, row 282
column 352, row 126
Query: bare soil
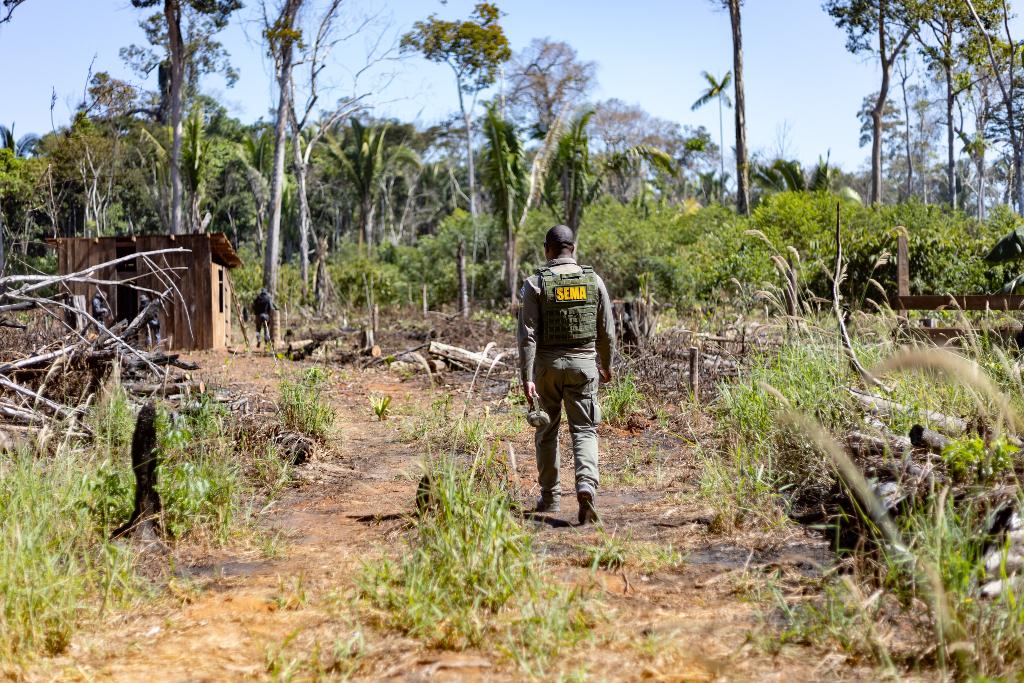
column 244, row 613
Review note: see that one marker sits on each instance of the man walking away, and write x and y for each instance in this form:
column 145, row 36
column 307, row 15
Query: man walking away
column 566, row 337
column 262, row 306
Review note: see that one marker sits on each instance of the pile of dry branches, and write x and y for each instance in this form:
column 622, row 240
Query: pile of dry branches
column 53, row 358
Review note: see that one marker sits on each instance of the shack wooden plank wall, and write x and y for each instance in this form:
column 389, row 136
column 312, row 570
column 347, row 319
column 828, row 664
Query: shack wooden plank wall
column 204, row 285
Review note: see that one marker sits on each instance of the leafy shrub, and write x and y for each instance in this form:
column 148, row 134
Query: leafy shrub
column 110, row 494
column 946, row 248
column 971, row 459
column 198, row 477
column 303, row 407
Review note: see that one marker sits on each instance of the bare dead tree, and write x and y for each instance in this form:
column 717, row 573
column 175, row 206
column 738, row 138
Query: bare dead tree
column 8, row 10
column 282, row 37
column 306, row 134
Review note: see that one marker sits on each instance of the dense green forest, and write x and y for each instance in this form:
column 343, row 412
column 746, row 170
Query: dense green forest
column 334, row 194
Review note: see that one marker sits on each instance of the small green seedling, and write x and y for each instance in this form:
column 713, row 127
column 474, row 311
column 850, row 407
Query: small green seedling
column 381, row 406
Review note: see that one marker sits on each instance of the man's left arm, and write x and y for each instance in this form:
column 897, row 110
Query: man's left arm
column 526, row 335
column 605, row 332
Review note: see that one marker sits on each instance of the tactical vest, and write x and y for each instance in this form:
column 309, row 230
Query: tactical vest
column 568, row 307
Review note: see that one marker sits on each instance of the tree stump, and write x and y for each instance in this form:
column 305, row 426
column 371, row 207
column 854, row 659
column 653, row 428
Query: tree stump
column 144, row 523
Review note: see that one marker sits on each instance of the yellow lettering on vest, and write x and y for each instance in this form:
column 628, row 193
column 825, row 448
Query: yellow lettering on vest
column 578, row 293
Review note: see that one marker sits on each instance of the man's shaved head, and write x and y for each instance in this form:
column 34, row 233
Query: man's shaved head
column 559, row 238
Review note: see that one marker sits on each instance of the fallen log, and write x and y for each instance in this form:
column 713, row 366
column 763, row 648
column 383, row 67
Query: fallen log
column 148, row 389
column 173, row 359
column 21, row 415
column 464, row 357
column 863, row 445
column 930, row 440
column 883, row 407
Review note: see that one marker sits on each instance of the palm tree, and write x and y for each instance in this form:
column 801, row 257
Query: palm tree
column 23, row 147
column 364, row 157
column 780, row 176
column 257, row 152
column 716, row 91
column 195, row 161
column 571, row 181
column 788, row 176
column 629, row 165
column 504, row 175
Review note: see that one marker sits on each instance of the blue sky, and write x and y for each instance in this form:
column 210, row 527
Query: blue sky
column 800, row 79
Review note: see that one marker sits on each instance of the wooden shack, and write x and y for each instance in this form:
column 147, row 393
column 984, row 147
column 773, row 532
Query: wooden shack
column 202, row 275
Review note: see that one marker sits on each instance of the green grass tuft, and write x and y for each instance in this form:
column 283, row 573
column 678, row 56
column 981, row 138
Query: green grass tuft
column 621, row 399
column 56, row 565
column 472, row 576
column 303, row 408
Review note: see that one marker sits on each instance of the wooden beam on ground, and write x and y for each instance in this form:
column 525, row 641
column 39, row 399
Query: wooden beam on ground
column 968, row 302
column 465, row 357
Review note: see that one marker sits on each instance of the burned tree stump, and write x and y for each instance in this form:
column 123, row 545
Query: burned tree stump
column 144, row 523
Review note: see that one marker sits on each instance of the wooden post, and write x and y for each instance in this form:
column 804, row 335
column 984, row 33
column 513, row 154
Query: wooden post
column 902, row 268
column 460, row 256
column 275, row 327
column 425, row 300
column 695, row 373
column 241, row 324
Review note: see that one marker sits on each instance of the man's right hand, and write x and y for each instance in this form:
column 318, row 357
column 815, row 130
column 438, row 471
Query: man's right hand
column 531, row 393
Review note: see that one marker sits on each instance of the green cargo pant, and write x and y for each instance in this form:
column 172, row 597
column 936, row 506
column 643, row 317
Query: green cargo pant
column 572, row 381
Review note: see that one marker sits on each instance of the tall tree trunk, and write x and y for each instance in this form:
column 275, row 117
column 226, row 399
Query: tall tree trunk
column 982, row 186
column 460, row 263
column 721, row 151
column 467, row 120
column 742, row 163
column 299, row 162
column 511, row 272
column 886, row 57
column 176, row 50
column 366, row 216
column 908, row 147
column 950, row 139
column 877, row 113
column 283, row 68
column 1007, row 91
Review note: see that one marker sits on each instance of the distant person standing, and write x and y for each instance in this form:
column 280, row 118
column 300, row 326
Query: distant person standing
column 566, row 337
column 100, row 310
column 262, row 308
column 152, row 321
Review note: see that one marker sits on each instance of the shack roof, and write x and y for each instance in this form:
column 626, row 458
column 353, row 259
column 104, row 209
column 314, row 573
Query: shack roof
column 220, row 246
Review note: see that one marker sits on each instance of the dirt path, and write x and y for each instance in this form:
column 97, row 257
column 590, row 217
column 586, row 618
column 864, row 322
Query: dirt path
column 244, row 616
